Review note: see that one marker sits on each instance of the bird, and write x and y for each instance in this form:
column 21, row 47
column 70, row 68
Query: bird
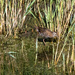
column 45, row 33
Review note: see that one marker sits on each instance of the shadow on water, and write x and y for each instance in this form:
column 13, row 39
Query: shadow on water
column 47, row 40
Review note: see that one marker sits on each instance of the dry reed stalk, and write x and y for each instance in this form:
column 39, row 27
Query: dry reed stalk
column 56, row 52
column 1, row 16
column 38, row 10
column 66, row 12
column 70, row 29
column 59, row 23
column 60, row 18
column 59, row 28
column 72, row 56
column 66, row 24
column 14, row 17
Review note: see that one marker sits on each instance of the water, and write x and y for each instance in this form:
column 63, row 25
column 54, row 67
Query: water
column 17, row 57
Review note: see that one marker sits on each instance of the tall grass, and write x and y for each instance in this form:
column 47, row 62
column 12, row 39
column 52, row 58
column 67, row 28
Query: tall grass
column 62, row 21
column 13, row 14
column 47, row 19
column 57, row 16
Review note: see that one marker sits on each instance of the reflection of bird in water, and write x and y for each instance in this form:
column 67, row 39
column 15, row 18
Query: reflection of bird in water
column 45, row 33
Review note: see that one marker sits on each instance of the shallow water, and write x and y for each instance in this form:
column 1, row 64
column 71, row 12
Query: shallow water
column 17, row 57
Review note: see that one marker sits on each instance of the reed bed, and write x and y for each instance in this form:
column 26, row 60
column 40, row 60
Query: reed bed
column 13, row 15
column 60, row 18
column 56, row 15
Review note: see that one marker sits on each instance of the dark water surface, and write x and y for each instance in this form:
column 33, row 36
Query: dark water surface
column 17, row 57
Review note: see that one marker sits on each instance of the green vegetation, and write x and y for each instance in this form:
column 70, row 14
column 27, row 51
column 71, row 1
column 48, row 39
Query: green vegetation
column 20, row 54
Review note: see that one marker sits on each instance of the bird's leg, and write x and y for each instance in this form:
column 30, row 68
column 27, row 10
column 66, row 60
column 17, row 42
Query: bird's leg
column 44, row 41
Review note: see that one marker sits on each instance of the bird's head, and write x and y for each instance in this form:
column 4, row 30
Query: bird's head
column 55, row 35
